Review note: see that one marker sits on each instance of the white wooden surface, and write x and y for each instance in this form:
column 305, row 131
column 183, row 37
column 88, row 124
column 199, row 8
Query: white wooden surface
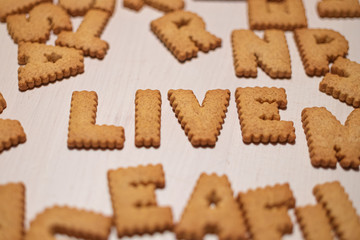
column 53, row 174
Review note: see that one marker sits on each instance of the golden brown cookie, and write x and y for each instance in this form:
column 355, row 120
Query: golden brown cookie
column 45, row 63
column 133, row 199
column 133, row 4
column 313, row 222
column 338, row 8
column 271, row 54
column 258, row 110
column 343, row 82
column 12, row 211
column 212, row 209
column 342, row 214
column 9, row 7
column 105, row 5
column 319, row 47
column 329, row 141
column 201, row 123
column 42, row 18
column 184, row 34
column 69, row 221
column 76, row 8
column 147, row 118
column 265, row 211
column 276, row 14
column 83, row 133
column 162, row 5
column 87, row 36
column 12, row 134
column 2, row 103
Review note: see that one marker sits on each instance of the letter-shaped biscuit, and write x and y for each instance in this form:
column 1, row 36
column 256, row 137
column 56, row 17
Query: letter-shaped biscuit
column 276, row 14
column 80, row 7
column 105, row 5
column 313, row 222
column 2, row 103
column 36, row 28
column 87, row 36
column 162, row 5
column 265, row 211
column 343, row 82
column 83, row 133
column 9, row 7
column 329, row 141
column 70, row 221
column 133, row 199
column 12, row 211
column 184, row 34
column 339, row 8
column 147, row 118
column 212, row 209
column 202, row 123
column 258, row 110
column 271, row 54
column 318, row 47
column 344, row 220
column 44, row 64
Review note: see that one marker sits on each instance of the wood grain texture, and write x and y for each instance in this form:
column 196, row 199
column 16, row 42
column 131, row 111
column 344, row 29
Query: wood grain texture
column 136, row 59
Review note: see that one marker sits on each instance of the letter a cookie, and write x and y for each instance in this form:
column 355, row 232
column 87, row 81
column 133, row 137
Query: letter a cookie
column 339, row 8
column 83, row 133
column 202, row 123
column 330, row 142
column 271, row 54
column 343, row 82
column 184, row 34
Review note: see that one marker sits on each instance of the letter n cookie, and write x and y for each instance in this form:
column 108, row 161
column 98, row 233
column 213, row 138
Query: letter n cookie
column 258, row 110
column 147, row 118
column 12, row 211
column 339, row 8
column 212, row 209
column 44, row 64
column 202, row 124
column 271, row 54
column 340, row 211
column 133, row 199
column 70, row 221
column 329, row 141
column 184, row 34
column 276, row 14
column 319, row 47
column 87, row 36
column 83, row 133
column 343, row 82
column 36, row 28
column 9, row 7
column 265, row 211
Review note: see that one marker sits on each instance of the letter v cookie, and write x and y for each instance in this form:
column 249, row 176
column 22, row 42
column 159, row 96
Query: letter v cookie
column 184, row 34
column 12, row 211
column 201, row 124
column 44, row 64
column 83, row 133
column 343, row 82
column 339, row 8
column 36, row 28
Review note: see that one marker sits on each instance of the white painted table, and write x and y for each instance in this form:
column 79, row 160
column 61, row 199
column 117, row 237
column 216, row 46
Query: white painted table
column 53, row 174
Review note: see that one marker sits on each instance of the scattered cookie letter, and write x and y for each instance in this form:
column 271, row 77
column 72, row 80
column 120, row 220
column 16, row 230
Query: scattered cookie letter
column 265, row 211
column 83, row 133
column 329, row 141
column 184, row 34
column 271, row 54
column 9, row 7
column 147, row 118
column 2, row 103
column 339, row 8
column 258, row 110
column 202, row 123
column 81, row 7
column 162, row 5
column 212, row 209
column 133, row 199
column 318, row 47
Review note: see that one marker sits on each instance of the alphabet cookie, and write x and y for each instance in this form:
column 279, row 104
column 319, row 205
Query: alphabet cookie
column 2, row 103
column 259, row 115
column 329, row 141
column 201, row 124
column 162, row 5
column 319, row 47
column 81, row 7
column 343, row 82
column 184, row 34
column 338, row 9
column 44, row 64
column 9, row 7
column 83, row 133
column 271, row 54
